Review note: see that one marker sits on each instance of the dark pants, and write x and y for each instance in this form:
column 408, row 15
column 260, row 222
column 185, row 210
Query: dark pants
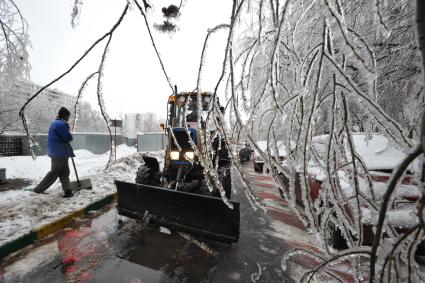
column 59, row 169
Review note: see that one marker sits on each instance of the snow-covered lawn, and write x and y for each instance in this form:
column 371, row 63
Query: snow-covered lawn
column 22, row 210
column 24, row 167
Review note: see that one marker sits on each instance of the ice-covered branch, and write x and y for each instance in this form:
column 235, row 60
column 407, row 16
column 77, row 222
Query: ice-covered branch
column 79, row 95
column 101, row 102
column 87, row 52
column 384, row 207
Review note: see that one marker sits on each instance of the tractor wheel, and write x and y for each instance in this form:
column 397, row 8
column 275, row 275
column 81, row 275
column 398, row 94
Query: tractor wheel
column 258, row 168
column 334, row 238
column 146, row 176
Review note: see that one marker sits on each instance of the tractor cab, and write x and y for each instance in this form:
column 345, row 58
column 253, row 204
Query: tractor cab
column 180, row 156
column 185, row 105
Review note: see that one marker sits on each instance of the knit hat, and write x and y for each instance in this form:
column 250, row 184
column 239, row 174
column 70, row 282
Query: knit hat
column 63, row 112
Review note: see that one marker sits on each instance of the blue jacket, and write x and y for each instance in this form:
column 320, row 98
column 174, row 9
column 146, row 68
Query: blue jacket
column 58, row 138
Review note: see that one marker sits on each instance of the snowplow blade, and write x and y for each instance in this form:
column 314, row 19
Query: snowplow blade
column 198, row 215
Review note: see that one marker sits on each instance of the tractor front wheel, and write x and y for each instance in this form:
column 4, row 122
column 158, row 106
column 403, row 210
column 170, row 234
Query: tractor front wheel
column 146, row 176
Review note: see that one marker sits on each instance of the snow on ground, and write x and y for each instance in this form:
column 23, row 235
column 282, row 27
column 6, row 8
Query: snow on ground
column 87, row 163
column 38, row 257
column 23, row 210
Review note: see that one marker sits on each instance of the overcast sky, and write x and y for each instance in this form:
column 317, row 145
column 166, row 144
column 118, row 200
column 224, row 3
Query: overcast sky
column 133, row 80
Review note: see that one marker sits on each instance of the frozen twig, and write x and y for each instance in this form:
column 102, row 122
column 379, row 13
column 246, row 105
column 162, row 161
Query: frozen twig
column 154, row 45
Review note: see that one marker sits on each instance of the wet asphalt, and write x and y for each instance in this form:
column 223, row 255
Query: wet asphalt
column 112, row 248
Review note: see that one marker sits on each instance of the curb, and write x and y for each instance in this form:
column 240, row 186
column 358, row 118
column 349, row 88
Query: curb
column 41, row 232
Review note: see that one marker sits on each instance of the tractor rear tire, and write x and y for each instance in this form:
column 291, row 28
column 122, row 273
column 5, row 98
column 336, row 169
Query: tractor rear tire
column 146, row 176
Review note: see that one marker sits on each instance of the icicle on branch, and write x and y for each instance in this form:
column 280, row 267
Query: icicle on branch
column 79, row 95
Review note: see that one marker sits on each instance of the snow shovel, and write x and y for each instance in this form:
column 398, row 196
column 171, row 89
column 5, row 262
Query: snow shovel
column 79, row 184
column 199, row 215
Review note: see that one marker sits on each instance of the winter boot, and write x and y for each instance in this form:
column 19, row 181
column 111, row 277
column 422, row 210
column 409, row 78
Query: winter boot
column 68, row 194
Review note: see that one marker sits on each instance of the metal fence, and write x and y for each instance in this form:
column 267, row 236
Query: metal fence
column 97, row 143
column 10, row 146
column 151, row 141
column 2, row 175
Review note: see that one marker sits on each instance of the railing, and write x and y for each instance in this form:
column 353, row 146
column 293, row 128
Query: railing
column 154, row 141
column 97, row 143
column 10, row 146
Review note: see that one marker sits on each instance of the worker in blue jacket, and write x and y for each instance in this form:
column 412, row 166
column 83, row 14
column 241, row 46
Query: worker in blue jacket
column 59, row 151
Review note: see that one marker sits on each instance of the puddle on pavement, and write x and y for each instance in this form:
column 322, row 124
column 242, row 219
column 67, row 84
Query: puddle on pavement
column 152, row 256
column 104, row 250
column 107, row 222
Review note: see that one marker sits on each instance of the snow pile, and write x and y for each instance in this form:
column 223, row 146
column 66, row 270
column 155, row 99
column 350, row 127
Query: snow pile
column 375, row 150
column 280, row 145
column 24, row 210
column 401, row 214
column 402, row 191
column 406, row 191
column 401, row 218
column 87, row 163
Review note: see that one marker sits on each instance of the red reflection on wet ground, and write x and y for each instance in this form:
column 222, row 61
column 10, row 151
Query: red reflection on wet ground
column 1, row 273
column 81, row 250
column 69, row 247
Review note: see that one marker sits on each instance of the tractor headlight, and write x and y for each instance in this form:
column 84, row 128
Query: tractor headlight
column 190, row 155
column 174, row 155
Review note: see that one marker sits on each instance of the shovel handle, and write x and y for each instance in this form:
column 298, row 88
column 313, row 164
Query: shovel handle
column 72, row 158
column 73, row 164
